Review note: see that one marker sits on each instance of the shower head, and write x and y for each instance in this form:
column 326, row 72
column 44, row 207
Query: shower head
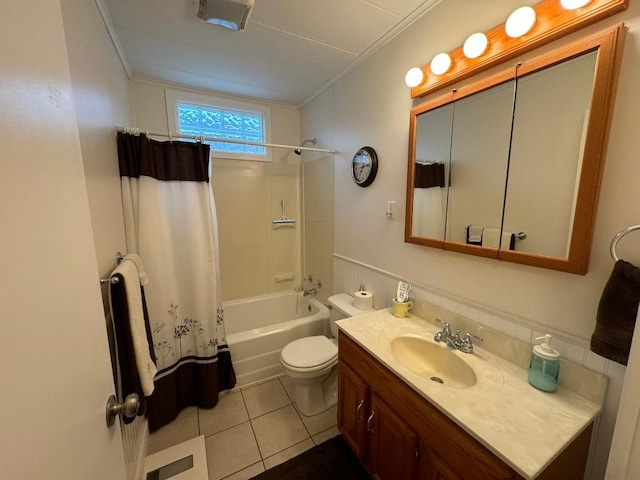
column 312, row 141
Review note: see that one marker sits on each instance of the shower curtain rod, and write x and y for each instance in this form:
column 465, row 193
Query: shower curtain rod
column 223, row 140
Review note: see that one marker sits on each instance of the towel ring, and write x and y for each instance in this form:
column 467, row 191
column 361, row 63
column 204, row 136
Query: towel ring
column 616, row 239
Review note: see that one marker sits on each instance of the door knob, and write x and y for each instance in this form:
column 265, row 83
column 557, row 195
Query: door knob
column 128, row 408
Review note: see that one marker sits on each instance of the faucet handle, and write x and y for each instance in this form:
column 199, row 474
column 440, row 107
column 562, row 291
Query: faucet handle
column 466, row 343
column 446, row 328
column 441, row 322
column 468, row 336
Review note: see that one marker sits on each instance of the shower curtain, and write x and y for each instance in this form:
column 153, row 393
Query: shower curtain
column 170, row 221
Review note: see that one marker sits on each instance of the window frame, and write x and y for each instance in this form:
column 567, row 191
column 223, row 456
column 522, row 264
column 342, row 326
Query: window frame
column 174, row 98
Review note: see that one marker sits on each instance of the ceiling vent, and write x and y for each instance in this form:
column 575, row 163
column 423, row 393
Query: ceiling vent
column 232, row 14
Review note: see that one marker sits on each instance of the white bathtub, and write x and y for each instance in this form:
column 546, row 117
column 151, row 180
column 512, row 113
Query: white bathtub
column 259, row 327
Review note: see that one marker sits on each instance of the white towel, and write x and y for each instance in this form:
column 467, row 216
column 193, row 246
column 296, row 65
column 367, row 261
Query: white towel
column 491, row 238
column 135, row 258
column 474, row 234
column 146, row 368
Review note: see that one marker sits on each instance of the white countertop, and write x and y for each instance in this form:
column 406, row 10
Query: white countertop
column 523, row 426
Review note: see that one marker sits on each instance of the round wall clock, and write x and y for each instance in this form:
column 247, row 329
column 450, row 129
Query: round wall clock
column 364, row 166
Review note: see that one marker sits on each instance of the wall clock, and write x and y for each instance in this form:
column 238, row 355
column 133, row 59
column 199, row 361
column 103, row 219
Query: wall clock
column 364, row 166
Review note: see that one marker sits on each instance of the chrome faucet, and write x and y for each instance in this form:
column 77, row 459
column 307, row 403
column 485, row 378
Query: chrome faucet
column 454, row 340
column 315, row 286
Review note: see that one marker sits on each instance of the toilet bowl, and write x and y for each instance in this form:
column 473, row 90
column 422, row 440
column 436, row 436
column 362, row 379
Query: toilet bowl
column 311, row 363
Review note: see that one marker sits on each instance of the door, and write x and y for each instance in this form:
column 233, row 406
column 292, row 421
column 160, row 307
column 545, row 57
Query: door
column 393, row 445
column 353, row 404
column 56, row 373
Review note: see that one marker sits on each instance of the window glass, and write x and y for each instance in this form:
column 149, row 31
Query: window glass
column 191, row 113
column 225, row 124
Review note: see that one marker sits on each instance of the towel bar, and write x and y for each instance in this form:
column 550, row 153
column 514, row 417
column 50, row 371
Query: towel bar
column 616, row 239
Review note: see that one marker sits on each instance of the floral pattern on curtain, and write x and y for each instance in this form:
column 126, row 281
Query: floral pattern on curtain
column 170, row 221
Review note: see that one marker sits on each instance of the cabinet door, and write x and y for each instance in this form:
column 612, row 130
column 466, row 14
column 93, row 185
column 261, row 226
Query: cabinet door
column 392, row 443
column 434, row 467
column 353, row 404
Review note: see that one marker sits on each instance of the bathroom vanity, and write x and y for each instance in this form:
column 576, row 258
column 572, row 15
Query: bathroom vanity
column 491, row 425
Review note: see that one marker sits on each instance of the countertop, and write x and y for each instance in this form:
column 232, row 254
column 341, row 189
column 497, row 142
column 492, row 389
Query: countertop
column 523, row 426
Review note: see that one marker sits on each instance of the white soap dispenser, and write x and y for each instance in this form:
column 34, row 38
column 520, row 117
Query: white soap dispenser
column 544, row 365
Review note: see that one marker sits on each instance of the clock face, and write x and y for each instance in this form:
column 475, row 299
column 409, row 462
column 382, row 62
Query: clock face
column 364, row 166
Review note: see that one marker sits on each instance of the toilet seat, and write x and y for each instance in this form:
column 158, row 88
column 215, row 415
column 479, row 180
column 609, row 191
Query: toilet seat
column 310, row 353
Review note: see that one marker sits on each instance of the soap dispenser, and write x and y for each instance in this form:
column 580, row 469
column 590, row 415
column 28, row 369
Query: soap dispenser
column 544, row 365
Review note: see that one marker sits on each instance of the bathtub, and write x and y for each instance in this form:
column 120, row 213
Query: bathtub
column 258, row 328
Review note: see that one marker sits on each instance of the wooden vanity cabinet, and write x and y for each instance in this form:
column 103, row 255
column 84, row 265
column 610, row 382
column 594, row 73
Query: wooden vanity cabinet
column 384, row 443
column 399, row 435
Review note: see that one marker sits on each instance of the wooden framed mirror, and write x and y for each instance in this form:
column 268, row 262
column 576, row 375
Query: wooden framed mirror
column 509, row 166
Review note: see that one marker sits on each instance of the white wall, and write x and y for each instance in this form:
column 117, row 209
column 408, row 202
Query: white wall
column 101, row 98
column 102, row 102
column 317, row 191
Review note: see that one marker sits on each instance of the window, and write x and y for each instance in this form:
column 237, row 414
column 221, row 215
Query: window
column 223, row 118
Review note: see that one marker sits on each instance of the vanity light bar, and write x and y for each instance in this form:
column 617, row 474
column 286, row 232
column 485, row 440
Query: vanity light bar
column 543, row 23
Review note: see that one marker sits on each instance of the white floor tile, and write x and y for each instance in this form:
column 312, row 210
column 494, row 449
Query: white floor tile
column 183, row 428
column 326, row 435
column 247, row 473
column 288, row 453
column 288, row 386
column 231, row 450
column 318, row 423
column 265, row 398
column 278, row 430
column 229, row 412
column 194, row 447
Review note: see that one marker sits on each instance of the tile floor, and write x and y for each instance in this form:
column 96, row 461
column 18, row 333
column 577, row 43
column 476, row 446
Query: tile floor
column 251, row 429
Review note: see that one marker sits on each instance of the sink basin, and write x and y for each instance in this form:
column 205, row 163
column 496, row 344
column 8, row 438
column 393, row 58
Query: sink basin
column 433, row 361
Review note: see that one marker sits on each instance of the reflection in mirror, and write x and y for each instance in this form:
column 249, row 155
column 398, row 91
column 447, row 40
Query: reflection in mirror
column 550, row 125
column 528, row 161
column 433, row 146
column 479, row 155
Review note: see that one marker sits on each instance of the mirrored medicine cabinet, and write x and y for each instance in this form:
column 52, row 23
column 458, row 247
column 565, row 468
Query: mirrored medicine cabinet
column 509, row 166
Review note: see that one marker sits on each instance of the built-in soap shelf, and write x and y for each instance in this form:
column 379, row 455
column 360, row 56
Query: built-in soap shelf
column 283, row 221
column 284, row 277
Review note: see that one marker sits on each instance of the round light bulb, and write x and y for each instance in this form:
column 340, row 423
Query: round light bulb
column 520, row 22
column 573, row 4
column 441, row 63
column 414, row 77
column 475, row 45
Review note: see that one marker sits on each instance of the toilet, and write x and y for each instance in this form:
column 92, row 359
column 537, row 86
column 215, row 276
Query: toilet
column 311, row 362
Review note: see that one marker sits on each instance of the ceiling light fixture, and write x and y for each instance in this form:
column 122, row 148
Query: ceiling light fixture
column 414, row 77
column 520, row 22
column 573, row 4
column 475, row 45
column 441, row 63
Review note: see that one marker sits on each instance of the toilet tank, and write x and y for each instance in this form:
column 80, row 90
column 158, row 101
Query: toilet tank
column 342, row 307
